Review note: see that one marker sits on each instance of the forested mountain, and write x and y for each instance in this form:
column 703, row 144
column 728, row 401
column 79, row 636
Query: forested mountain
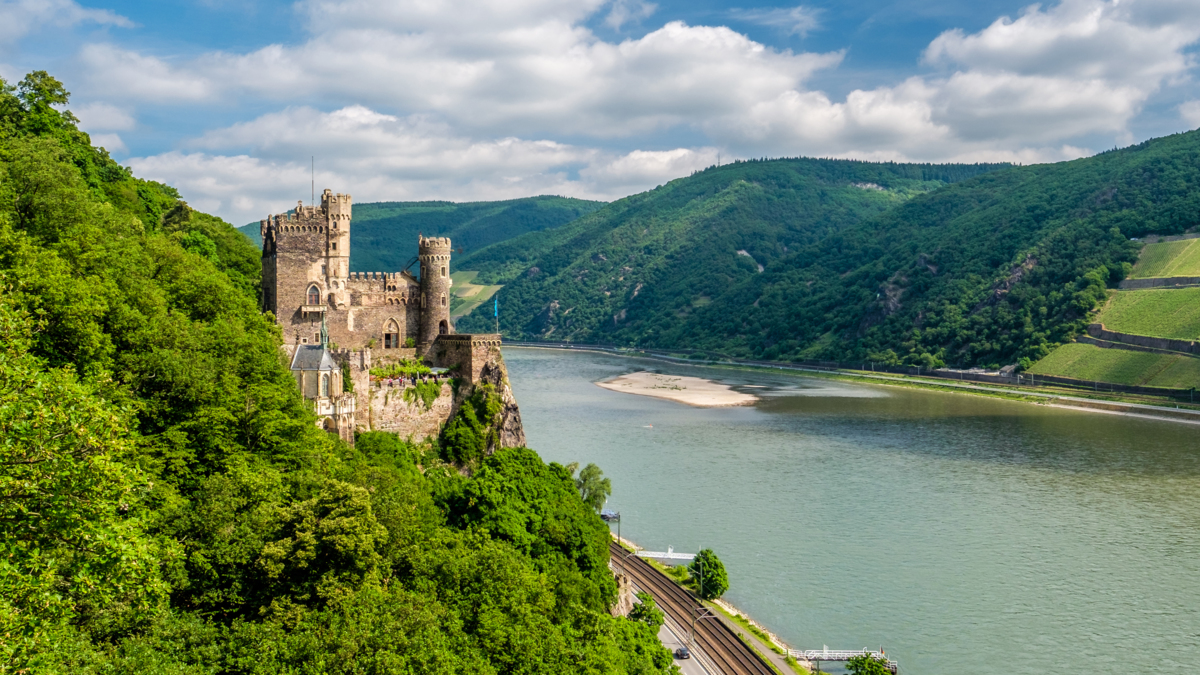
column 167, row 504
column 383, row 235
column 988, row 270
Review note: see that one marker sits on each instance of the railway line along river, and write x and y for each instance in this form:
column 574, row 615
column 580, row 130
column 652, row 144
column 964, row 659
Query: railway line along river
column 964, row 534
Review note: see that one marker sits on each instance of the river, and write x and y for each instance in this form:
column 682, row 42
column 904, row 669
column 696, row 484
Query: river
column 966, row 535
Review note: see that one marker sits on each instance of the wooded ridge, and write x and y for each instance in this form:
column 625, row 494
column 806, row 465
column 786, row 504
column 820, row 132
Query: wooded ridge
column 965, row 265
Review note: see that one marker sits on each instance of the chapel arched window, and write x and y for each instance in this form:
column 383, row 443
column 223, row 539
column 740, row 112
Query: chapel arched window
column 391, row 335
column 314, row 295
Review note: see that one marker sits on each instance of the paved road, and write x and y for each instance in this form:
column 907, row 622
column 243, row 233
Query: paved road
column 672, row 641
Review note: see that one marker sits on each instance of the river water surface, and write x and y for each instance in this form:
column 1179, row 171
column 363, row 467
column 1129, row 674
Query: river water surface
column 967, row 535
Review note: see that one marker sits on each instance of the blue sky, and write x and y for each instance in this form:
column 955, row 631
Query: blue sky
column 490, row 99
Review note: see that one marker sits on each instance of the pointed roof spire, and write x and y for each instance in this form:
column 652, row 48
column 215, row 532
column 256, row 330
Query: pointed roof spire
column 324, row 332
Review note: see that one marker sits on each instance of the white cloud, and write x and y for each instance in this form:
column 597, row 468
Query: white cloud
column 442, row 98
column 1190, row 113
column 18, row 18
column 798, row 20
column 103, row 117
column 128, row 74
column 383, row 157
column 110, row 142
column 1015, row 88
column 625, row 11
column 544, row 76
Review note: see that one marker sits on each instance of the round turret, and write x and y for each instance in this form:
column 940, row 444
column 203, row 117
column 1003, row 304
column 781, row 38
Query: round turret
column 434, row 254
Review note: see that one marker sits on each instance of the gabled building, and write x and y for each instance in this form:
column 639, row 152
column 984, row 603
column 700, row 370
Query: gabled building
column 319, row 378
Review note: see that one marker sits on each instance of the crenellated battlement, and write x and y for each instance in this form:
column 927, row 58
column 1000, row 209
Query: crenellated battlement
column 434, row 246
column 372, row 276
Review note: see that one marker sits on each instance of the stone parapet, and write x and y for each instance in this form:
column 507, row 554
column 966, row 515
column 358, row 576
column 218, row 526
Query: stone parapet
column 467, row 352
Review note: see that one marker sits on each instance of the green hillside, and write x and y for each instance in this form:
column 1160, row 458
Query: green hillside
column 985, row 271
column 1168, row 259
column 383, row 235
column 1168, row 313
column 1119, row 366
column 168, row 504
column 641, row 266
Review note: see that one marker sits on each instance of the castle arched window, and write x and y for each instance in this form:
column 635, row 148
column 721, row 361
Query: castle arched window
column 324, row 386
column 443, row 271
column 443, row 301
column 391, row 335
column 443, row 328
column 314, row 295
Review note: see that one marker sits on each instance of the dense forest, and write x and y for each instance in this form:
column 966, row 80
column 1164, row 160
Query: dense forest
column 167, row 504
column 383, row 235
column 927, row 265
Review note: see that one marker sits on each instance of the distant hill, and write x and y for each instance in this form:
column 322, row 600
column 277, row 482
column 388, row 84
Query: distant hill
column 383, row 235
column 962, row 265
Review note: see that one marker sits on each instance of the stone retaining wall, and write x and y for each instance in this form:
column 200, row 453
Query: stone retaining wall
column 1097, row 330
column 1158, row 282
column 1105, row 344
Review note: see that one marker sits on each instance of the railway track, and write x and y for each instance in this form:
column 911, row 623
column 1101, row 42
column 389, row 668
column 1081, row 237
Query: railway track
column 720, row 643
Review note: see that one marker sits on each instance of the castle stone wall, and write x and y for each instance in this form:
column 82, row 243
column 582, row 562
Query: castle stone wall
column 390, row 412
column 470, row 352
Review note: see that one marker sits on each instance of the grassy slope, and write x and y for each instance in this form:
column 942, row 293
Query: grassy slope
column 631, row 271
column 1086, row 362
column 465, row 295
column 1169, row 313
column 383, row 235
column 1168, row 259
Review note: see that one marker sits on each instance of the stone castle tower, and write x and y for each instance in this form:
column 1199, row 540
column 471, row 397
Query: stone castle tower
column 307, row 278
column 434, row 253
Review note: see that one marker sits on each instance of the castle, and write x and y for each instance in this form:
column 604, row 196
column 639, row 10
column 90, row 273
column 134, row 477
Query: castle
column 306, row 277
column 338, row 324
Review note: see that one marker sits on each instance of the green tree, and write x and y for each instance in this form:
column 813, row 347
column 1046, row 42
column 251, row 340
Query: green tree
column 647, row 611
column 471, row 433
column 593, row 486
column 73, row 549
column 867, row 665
column 707, row 569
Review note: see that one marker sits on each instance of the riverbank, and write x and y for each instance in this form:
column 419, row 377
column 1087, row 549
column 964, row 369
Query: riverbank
column 693, row 391
column 1039, row 395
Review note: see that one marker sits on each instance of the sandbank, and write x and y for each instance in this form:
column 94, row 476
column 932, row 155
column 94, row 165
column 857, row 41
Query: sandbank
column 693, row 391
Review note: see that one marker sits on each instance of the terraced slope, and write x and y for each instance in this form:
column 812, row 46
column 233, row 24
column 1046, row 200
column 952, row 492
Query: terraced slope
column 1087, row 362
column 1168, row 259
column 1169, row 313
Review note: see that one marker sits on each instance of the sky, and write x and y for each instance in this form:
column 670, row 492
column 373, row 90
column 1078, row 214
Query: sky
column 235, row 102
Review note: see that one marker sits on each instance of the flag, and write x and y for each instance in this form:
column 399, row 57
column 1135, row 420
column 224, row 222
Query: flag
column 496, row 307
